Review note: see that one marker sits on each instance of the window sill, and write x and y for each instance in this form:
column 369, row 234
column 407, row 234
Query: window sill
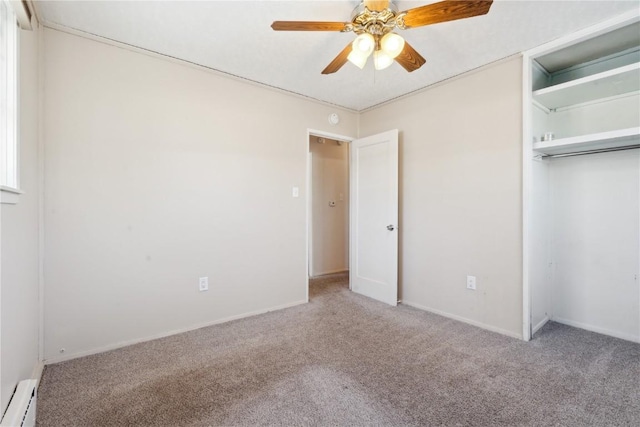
column 9, row 196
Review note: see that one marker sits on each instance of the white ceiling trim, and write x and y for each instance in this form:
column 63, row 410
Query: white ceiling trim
column 234, row 39
column 187, row 63
column 443, row 82
column 194, row 65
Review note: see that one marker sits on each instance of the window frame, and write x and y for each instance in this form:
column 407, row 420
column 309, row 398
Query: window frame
column 9, row 105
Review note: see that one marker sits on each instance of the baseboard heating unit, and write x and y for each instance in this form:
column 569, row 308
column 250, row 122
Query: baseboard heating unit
column 22, row 407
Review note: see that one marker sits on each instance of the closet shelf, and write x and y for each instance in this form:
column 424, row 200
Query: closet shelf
column 595, row 141
column 602, row 85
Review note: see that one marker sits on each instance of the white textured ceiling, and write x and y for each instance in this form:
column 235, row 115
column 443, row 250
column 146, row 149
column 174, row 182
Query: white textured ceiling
column 235, row 37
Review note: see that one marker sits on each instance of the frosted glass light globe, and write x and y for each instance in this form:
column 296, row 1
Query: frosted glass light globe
column 381, row 60
column 357, row 59
column 392, row 44
column 364, row 44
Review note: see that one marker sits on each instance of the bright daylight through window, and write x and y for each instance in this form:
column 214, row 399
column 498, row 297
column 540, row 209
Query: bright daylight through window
column 8, row 99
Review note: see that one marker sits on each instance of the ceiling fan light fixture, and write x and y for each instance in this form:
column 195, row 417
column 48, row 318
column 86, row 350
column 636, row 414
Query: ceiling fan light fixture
column 357, row 59
column 364, row 44
column 392, row 44
column 373, row 22
column 381, row 60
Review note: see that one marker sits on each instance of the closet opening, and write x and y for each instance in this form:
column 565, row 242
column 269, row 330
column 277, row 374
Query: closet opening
column 581, row 186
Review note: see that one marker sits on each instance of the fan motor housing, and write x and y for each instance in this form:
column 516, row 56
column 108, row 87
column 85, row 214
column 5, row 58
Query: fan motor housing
column 376, row 23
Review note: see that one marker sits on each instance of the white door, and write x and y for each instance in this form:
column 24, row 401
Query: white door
column 374, row 217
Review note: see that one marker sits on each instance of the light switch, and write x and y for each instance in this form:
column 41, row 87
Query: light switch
column 295, row 192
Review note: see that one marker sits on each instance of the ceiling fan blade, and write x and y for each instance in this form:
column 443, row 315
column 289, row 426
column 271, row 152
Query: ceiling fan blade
column 338, row 61
column 308, row 26
column 376, row 5
column 409, row 58
column 444, row 11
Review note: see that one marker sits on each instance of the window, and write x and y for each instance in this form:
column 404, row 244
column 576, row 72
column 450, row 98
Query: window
column 9, row 179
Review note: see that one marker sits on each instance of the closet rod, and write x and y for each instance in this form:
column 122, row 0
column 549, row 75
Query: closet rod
column 582, row 153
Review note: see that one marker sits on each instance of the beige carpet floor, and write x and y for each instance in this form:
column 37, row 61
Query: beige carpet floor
column 346, row 360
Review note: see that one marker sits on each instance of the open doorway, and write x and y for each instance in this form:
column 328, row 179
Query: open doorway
column 328, row 206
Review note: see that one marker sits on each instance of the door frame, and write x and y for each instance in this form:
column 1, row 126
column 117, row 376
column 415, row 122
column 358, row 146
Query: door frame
column 309, row 238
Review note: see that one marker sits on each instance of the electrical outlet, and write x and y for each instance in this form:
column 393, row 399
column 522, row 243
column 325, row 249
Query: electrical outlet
column 471, row 282
column 204, row 284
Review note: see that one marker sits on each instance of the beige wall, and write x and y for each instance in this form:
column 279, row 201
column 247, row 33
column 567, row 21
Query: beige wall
column 157, row 174
column 20, row 253
column 330, row 224
column 460, row 197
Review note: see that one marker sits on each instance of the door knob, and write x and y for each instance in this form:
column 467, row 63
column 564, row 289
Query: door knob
column 390, row 227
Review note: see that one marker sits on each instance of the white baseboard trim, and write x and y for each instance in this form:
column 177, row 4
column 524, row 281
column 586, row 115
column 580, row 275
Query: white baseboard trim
column 597, row 329
column 121, row 344
column 324, row 273
column 36, row 374
column 464, row 320
column 540, row 324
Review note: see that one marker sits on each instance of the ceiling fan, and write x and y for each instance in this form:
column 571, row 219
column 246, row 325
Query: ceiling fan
column 374, row 21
